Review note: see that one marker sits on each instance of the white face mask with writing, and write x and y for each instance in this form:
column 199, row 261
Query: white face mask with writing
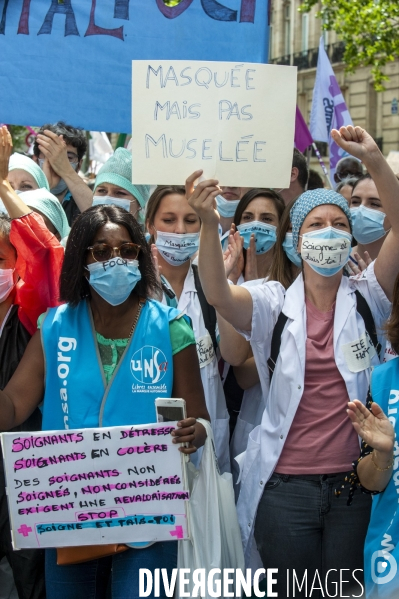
column 326, row 250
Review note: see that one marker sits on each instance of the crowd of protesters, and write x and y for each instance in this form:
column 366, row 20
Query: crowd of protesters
column 274, row 287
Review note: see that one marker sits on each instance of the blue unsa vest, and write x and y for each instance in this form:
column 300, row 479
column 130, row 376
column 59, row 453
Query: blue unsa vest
column 76, row 394
column 381, row 549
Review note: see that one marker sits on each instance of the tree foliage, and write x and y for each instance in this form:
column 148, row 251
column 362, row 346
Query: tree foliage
column 18, row 135
column 369, row 28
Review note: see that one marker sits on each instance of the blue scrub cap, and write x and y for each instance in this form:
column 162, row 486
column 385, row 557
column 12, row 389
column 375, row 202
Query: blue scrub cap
column 49, row 205
column 311, row 199
column 19, row 161
column 118, row 171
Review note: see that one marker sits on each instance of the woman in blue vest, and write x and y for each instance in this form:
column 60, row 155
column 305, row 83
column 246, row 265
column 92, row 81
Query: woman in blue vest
column 378, row 468
column 103, row 333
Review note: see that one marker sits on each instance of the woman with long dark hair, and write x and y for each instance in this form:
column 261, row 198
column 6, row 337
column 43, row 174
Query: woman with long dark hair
column 107, row 282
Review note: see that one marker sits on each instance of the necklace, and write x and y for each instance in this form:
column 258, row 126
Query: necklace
column 136, row 318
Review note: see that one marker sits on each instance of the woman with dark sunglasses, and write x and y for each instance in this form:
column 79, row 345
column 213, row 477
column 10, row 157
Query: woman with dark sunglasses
column 105, row 330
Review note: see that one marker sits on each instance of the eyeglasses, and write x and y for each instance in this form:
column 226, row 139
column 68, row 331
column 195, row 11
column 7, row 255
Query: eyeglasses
column 103, row 252
column 74, row 158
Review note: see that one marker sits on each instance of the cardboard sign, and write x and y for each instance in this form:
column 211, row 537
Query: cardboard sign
column 70, row 60
column 95, row 486
column 236, row 121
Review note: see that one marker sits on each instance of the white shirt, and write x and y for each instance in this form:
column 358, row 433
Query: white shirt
column 267, row 440
column 213, row 389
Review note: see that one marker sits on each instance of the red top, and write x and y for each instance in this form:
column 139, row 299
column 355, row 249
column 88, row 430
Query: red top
column 39, row 262
column 321, row 439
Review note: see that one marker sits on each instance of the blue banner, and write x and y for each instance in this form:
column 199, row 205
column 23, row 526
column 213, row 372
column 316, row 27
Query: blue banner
column 71, row 60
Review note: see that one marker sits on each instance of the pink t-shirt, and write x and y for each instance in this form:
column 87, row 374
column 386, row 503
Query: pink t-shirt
column 321, row 439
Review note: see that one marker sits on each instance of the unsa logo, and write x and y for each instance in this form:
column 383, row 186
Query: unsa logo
column 149, row 365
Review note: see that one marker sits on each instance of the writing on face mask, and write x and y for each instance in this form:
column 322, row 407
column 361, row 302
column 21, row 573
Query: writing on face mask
column 326, row 253
column 177, row 248
column 265, row 235
column 115, row 279
column 327, row 250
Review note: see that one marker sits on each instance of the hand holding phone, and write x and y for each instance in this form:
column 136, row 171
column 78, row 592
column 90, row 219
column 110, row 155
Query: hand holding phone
column 169, row 410
column 185, row 433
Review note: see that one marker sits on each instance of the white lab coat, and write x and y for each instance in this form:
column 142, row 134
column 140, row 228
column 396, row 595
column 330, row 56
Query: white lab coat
column 266, row 441
column 213, row 389
column 250, row 415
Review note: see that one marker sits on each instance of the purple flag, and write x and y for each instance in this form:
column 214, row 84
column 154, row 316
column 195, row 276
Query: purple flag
column 329, row 110
column 302, row 139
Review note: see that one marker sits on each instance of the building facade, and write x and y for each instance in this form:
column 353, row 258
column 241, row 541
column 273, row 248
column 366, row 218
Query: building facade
column 294, row 40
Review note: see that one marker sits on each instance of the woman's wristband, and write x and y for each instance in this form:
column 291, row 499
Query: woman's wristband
column 390, row 465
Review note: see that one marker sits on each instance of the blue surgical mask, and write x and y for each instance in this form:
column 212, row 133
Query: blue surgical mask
column 265, row 235
column 114, row 279
column 177, row 248
column 326, row 250
column 353, row 212
column 59, row 188
column 367, row 224
column 290, row 250
column 101, row 200
column 226, row 208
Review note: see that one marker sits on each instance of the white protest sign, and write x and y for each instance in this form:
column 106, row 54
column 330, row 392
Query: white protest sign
column 236, row 121
column 95, row 486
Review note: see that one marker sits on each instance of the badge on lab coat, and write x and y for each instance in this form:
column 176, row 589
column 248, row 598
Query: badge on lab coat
column 358, row 354
column 205, row 350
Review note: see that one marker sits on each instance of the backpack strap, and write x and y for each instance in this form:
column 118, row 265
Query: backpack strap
column 362, row 307
column 364, row 310
column 208, row 311
column 276, row 342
